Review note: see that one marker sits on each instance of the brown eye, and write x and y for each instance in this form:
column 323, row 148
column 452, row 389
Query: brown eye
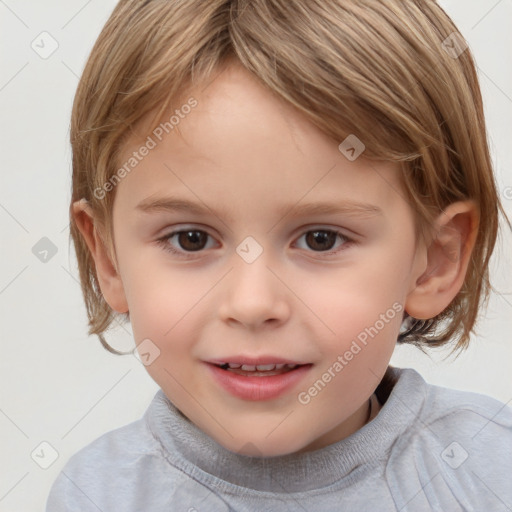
column 192, row 240
column 327, row 241
column 186, row 242
column 321, row 240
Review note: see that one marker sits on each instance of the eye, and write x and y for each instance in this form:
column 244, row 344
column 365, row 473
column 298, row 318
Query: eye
column 189, row 241
column 323, row 240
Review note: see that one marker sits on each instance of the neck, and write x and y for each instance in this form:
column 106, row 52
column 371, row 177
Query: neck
column 358, row 420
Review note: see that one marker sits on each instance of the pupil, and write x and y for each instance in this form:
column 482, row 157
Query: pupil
column 321, row 236
column 323, row 240
column 187, row 239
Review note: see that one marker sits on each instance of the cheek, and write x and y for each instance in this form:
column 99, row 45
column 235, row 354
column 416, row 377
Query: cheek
column 156, row 299
column 165, row 309
column 167, row 306
column 361, row 310
column 352, row 299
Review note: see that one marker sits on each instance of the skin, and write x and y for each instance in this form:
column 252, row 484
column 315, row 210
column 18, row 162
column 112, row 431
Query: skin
column 244, row 154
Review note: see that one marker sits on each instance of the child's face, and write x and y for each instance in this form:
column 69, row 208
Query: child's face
column 246, row 159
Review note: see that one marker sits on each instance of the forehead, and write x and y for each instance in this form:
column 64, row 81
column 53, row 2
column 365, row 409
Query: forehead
column 241, row 143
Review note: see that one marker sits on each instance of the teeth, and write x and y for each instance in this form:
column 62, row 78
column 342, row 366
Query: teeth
column 259, row 367
column 265, row 367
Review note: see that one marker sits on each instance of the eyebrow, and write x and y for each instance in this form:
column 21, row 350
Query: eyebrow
column 343, row 207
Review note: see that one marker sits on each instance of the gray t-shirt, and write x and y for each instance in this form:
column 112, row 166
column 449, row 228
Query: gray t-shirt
column 429, row 448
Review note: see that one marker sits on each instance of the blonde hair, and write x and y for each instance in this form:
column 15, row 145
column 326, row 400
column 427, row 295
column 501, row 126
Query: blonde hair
column 379, row 69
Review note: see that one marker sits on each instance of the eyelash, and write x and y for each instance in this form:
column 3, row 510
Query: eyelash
column 164, row 242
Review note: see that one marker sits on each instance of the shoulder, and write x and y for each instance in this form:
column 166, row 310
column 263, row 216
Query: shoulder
column 465, row 416
column 128, row 469
column 103, row 474
column 459, row 446
column 444, row 408
column 116, row 448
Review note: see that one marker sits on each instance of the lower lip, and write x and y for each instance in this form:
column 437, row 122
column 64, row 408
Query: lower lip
column 258, row 388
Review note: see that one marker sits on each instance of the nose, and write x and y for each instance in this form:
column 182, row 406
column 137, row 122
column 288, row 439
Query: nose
column 254, row 296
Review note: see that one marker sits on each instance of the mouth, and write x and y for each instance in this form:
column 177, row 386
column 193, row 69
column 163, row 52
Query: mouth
column 259, row 370
column 261, row 379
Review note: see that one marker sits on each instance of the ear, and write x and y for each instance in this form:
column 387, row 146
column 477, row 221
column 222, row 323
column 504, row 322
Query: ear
column 447, row 257
column 109, row 278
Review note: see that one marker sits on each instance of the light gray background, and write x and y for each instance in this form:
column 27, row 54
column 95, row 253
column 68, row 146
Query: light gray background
column 60, row 386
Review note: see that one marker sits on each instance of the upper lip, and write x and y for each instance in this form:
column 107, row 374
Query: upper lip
column 254, row 361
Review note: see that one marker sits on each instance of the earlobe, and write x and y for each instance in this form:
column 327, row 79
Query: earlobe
column 108, row 275
column 448, row 257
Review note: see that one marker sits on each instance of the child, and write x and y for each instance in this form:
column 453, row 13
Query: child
column 216, row 146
